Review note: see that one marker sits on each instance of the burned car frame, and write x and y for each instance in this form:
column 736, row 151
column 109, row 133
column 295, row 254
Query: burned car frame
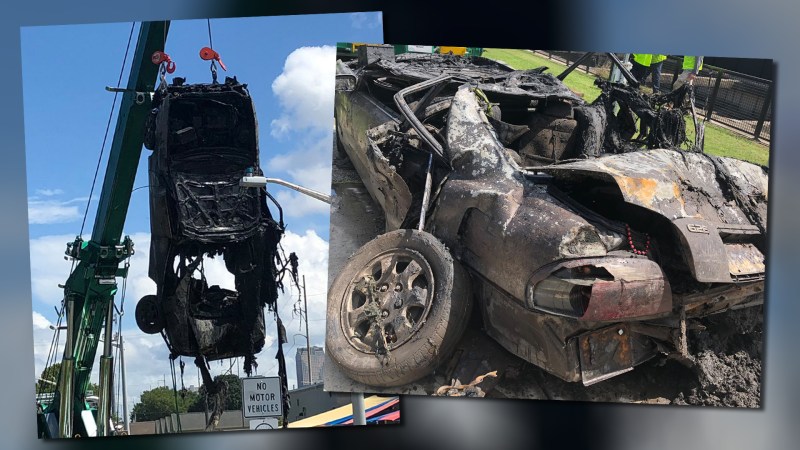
column 591, row 244
column 204, row 140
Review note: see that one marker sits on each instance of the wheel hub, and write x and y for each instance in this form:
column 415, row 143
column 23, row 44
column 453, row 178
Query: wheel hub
column 388, row 301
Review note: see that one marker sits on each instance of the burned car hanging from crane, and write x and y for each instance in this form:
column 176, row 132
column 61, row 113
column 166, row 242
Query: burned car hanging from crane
column 590, row 241
column 204, row 140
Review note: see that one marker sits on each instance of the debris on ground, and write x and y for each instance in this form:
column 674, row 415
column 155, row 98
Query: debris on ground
column 456, row 389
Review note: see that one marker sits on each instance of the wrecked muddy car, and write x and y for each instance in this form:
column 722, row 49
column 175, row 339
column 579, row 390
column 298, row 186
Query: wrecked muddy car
column 204, row 140
column 588, row 239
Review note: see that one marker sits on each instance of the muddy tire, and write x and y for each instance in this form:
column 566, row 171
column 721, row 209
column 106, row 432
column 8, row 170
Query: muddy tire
column 397, row 309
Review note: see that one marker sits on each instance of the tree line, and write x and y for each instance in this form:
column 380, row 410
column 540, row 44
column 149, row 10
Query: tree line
column 159, row 401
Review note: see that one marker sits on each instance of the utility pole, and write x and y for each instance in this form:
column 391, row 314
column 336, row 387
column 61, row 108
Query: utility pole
column 308, row 340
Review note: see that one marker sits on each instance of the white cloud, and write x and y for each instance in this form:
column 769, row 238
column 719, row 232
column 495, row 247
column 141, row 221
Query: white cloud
column 54, row 211
column 305, row 90
column 316, row 176
column 309, row 164
column 305, row 93
column 139, row 283
column 296, row 205
column 48, row 267
column 280, row 126
column 146, row 356
column 312, row 251
column 361, row 20
column 49, row 192
column 42, row 342
column 40, row 322
column 47, row 212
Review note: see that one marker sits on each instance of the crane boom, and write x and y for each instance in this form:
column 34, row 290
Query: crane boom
column 90, row 289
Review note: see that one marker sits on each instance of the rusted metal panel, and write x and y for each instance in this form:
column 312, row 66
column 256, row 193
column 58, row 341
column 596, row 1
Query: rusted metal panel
column 703, row 249
column 632, row 289
column 359, row 122
column 390, row 189
column 744, row 259
column 675, row 183
column 541, row 339
column 749, row 187
column 622, row 299
column 721, row 298
column 502, row 248
column 714, row 261
column 605, row 353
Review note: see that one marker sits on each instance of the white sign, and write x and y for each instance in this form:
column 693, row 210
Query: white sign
column 261, row 397
column 267, row 423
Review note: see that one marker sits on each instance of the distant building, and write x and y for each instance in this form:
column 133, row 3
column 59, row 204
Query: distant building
column 312, row 400
column 303, row 369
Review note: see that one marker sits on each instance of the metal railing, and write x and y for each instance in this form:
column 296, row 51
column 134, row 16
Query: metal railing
column 738, row 101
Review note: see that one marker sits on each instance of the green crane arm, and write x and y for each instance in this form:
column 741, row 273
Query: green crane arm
column 89, row 290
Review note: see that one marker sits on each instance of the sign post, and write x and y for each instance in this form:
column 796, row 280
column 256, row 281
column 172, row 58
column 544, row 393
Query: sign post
column 261, row 397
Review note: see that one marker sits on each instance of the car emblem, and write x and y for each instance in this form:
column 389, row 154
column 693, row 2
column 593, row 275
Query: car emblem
column 697, row 228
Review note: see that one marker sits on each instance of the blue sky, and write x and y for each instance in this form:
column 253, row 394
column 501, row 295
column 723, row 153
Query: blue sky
column 65, row 70
column 288, row 64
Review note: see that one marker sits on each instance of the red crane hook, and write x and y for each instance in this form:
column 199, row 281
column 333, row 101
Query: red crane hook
column 207, row 54
column 159, row 57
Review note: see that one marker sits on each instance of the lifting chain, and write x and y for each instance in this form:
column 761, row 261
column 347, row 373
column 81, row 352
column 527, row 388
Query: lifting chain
column 208, row 54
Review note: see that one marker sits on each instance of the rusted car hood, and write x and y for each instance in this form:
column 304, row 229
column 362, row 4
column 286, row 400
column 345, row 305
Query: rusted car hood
column 679, row 184
column 717, row 205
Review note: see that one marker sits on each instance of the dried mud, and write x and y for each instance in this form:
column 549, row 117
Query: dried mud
column 728, row 357
column 726, row 372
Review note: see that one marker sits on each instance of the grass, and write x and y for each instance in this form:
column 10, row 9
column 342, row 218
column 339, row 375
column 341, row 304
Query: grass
column 722, row 142
column 718, row 140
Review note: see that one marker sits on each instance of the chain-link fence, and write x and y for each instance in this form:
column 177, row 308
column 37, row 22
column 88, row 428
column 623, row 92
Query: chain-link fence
column 735, row 100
